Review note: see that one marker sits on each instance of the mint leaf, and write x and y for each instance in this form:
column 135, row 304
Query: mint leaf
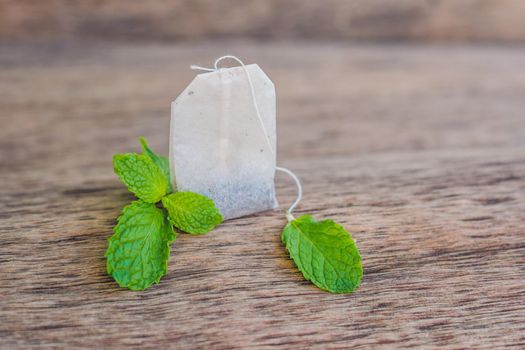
column 141, row 175
column 324, row 252
column 192, row 212
column 162, row 162
column 138, row 251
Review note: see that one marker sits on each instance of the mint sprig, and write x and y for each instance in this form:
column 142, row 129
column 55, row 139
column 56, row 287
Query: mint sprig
column 162, row 162
column 192, row 212
column 138, row 251
column 141, row 176
column 325, row 253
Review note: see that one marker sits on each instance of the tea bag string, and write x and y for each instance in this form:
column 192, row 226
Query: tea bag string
column 289, row 215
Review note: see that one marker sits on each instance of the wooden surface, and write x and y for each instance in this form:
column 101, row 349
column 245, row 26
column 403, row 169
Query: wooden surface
column 419, row 151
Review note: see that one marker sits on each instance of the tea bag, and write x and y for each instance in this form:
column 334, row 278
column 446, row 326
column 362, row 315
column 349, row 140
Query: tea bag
column 222, row 139
column 223, row 146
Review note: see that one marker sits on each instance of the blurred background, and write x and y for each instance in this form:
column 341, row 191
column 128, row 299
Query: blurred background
column 359, row 20
column 352, row 77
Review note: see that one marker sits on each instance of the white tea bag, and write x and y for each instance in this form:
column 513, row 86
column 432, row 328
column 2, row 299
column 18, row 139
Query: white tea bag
column 218, row 147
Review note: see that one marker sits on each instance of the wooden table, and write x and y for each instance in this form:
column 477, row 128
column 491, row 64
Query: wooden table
column 419, row 151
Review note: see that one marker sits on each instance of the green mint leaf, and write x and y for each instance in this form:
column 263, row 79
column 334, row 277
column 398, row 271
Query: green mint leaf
column 141, row 175
column 138, row 251
column 162, row 162
column 325, row 253
column 192, row 212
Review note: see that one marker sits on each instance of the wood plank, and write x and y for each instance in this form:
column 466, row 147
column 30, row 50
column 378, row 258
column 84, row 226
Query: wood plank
column 418, row 151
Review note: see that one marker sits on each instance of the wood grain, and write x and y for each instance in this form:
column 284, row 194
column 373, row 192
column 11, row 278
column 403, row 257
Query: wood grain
column 418, row 151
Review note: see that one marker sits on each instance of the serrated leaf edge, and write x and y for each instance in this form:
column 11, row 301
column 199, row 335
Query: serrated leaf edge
column 168, row 245
column 304, row 272
column 119, row 156
column 146, row 150
column 218, row 217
